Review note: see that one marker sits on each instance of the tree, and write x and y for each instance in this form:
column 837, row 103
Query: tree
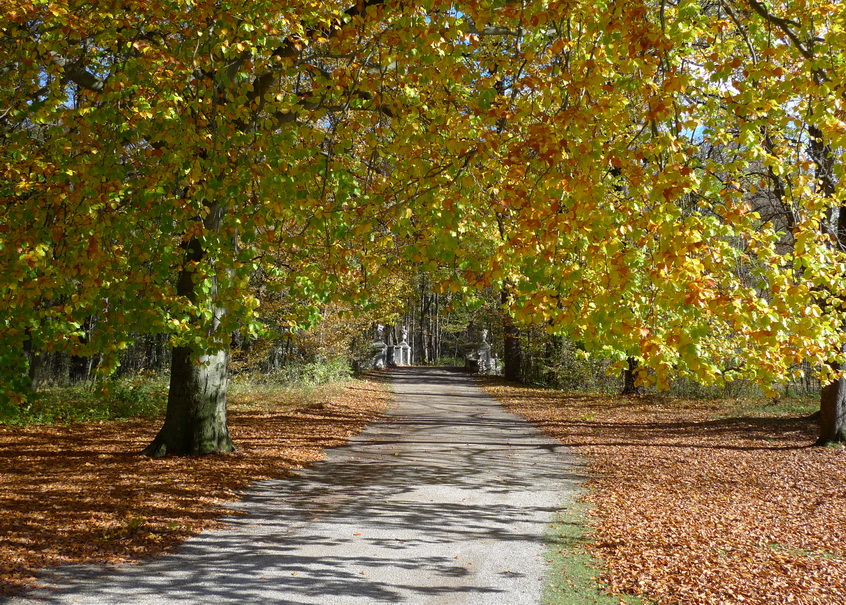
column 214, row 133
column 551, row 151
column 796, row 59
column 668, row 263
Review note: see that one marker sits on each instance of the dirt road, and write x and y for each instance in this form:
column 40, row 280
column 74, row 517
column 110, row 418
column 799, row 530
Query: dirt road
column 446, row 501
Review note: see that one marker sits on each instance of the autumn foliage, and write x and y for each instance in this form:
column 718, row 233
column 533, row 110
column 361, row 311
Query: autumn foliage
column 81, row 494
column 695, row 505
column 656, row 180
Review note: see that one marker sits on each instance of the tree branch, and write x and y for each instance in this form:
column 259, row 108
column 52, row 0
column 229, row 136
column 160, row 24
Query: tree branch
column 784, row 25
column 494, row 30
column 78, row 74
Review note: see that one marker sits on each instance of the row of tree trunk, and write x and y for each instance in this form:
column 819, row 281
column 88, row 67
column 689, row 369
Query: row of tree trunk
column 57, row 368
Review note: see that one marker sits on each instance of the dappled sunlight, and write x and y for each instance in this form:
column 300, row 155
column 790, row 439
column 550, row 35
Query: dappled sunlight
column 446, row 499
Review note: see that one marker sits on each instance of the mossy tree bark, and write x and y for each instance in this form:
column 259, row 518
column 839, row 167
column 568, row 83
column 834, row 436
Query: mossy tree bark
column 195, row 423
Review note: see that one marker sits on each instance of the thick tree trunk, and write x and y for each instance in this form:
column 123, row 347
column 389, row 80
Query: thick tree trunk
column 833, row 413
column 833, row 395
column 195, row 423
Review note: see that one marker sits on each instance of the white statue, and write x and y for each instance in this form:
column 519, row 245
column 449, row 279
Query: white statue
column 404, row 334
column 380, row 333
column 484, row 335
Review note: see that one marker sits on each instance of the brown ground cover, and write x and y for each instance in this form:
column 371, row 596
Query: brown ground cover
column 692, row 506
column 82, row 494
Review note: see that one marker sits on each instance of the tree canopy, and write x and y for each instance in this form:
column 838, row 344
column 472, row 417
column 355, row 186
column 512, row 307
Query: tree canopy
column 659, row 180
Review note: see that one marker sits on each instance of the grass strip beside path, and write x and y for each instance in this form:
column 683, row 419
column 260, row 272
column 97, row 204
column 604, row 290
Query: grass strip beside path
column 573, row 571
column 703, row 502
column 80, row 493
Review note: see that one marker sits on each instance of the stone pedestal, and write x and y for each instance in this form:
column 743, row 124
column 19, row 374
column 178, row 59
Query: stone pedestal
column 378, row 355
column 379, row 350
column 402, row 354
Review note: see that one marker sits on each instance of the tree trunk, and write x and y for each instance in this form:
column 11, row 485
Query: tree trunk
column 833, row 395
column 512, row 352
column 36, row 370
column 550, row 354
column 195, row 422
column 436, row 342
column 629, row 377
column 833, row 412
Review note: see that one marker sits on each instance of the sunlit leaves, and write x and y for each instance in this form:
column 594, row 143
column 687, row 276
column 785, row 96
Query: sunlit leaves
column 638, row 173
column 633, row 222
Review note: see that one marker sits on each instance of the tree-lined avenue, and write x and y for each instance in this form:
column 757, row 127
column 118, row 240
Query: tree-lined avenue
column 445, row 501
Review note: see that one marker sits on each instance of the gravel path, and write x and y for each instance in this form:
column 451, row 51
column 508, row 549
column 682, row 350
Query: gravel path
column 447, row 501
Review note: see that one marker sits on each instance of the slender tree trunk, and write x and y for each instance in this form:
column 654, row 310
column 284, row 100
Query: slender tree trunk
column 512, row 353
column 159, row 351
column 424, row 336
column 436, row 344
column 629, row 377
column 195, row 422
column 35, row 361
column 551, row 350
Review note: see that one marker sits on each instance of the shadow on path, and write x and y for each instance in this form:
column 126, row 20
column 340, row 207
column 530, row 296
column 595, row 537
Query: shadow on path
column 445, row 501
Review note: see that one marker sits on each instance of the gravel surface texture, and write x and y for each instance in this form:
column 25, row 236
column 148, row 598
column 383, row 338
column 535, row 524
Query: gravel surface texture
column 446, row 501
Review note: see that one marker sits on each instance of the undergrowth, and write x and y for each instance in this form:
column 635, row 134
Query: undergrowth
column 297, row 375
column 141, row 396
column 145, row 395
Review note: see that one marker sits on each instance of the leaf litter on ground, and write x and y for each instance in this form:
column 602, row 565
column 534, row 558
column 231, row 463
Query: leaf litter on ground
column 692, row 506
column 81, row 493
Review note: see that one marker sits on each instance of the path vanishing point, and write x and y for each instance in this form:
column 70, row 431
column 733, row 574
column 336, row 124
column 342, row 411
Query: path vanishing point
column 445, row 501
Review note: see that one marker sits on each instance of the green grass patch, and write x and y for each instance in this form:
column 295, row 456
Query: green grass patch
column 573, row 573
column 258, row 393
column 310, row 374
column 801, row 552
column 296, row 387
column 783, row 407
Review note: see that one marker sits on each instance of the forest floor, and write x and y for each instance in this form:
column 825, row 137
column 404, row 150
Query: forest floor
column 692, row 502
column 80, row 493
column 701, row 502
column 447, row 498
